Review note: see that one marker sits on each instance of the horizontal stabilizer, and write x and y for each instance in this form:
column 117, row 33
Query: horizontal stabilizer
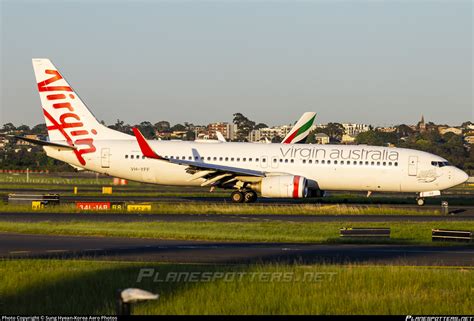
column 45, row 143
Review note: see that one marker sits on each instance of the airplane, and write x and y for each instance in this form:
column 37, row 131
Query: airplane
column 297, row 134
column 273, row 170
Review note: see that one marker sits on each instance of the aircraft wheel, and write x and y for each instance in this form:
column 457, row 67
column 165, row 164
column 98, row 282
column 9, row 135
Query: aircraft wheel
column 250, row 197
column 237, row 197
column 420, row 201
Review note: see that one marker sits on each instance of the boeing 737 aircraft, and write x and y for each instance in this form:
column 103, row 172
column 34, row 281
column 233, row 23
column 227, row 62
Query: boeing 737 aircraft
column 273, row 170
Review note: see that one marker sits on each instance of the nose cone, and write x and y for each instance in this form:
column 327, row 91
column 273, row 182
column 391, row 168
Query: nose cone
column 460, row 176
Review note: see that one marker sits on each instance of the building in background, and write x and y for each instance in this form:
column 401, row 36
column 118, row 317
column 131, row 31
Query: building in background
column 389, row 129
column 347, row 139
column 257, row 135
column 321, row 138
column 421, row 126
column 355, row 129
column 226, row 129
column 443, row 130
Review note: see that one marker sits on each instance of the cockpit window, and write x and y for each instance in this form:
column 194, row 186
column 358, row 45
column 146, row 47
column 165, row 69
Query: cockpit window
column 440, row 164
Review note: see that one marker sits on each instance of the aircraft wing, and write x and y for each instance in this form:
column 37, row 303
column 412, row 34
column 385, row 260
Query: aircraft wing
column 212, row 173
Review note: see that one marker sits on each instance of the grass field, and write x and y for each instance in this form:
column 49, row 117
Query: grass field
column 401, row 232
column 60, row 287
column 248, row 209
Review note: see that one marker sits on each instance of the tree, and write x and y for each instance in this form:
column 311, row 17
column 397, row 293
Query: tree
column 39, row 129
column 147, row 129
column 8, row 127
column 162, row 125
column 403, row 130
column 333, row 130
column 121, row 127
column 23, row 128
column 277, row 139
column 244, row 127
column 178, row 128
column 260, row 126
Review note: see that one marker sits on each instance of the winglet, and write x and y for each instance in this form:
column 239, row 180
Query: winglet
column 144, row 146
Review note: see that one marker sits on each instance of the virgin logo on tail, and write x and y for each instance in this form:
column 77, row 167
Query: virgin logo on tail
column 69, row 123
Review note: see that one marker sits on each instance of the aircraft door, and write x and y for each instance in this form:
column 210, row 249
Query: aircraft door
column 105, row 157
column 412, row 165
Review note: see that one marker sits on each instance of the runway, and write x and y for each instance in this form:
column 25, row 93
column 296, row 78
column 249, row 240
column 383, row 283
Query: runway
column 135, row 217
column 13, row 245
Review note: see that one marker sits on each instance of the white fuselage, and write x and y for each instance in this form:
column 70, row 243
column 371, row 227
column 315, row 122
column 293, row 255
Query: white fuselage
column 330, row 167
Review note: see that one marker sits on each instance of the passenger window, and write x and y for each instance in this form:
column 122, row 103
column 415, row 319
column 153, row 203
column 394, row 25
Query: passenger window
column 354, row 162
column 215, row 158
column 361, row 163
column 378, row 163
column 274, row 160
column 335, row 162
column 323, row 161
column 366, row 162
column 227, row 159
column 126, row 156
column 232, row 159
column 329, row 162
column 256, row 159
column 316, row 161
column 220, row 158
column 342, row 162
column 264, row 160
column 292, row 160
column 304, row 161
column 389, row 163
column 143, row 157
column 131, row 156
column 286, row 160
column 208, row 158
column 238, row 159
column 250, row 159
column 244, row 159
column 281, row 160
column 396, row 164
column 372, row 163
column 310, row 161
column 384, row 163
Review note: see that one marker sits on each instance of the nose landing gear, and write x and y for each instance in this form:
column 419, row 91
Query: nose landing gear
column 420, row 201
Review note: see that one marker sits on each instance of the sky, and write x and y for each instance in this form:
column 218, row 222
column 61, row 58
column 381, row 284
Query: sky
column 376, row 62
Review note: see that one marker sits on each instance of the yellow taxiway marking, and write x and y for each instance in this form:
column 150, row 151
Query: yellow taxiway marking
column 55, row 251
column 19, row 252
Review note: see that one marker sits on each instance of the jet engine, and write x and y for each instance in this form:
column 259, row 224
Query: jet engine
column 285, row 186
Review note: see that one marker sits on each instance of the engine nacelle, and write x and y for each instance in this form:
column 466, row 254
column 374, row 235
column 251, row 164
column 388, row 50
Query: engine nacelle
column 287, row 186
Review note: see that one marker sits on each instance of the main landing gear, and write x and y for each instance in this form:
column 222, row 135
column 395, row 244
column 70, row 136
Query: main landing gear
column 243, row 196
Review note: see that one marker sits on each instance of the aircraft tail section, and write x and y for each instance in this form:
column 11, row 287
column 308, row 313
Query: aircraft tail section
column 67, row 117
column 300, row 131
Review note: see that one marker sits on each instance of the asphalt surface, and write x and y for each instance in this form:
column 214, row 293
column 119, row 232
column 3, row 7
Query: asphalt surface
column 134, row 217
column 14, row 245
